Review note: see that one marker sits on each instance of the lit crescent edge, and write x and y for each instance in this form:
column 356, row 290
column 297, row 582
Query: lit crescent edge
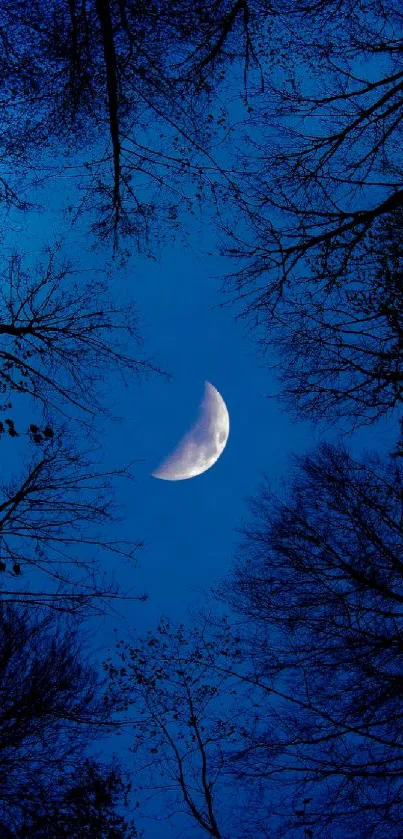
column 201, row 447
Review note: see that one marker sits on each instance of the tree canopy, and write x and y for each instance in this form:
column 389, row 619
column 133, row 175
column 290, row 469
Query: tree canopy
column 285, row 121
column 51, row 711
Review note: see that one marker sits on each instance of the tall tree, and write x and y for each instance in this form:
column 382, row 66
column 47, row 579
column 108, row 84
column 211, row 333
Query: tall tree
column 340, row 351
column 319, row 185
column 108, row 71
column 294, row 702
column 60, row 336
column 59, row 339
column 52, row 520
column 319, row 576
column 51, row 712
column 331, row 165
column 186, row 719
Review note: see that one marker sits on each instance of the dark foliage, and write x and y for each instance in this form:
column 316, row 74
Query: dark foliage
column 187, row 718
column 320, row 194
column 79, row 72
column 60, row 336
column 50, row 712
column 320, row 578
column 52, row 517
column 341, row 349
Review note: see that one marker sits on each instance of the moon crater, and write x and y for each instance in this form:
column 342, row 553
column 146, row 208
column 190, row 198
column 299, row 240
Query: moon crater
column 201, row 447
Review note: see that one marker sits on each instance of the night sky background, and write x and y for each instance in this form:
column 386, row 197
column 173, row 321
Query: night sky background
column 188, row 529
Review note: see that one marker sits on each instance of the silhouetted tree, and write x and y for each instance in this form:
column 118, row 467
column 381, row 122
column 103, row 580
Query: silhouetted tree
column 331, row 164
column 51, row 711
column 320, row 581
column 319, row 182
column 341, row 350
column 82, row 805
column 59, row 337
column 186, row 719
column 76, row 72
column 293, row 703
column 52, row 520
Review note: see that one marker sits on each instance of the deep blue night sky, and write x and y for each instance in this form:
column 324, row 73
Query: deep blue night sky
column 188, row 527
column 145, row 141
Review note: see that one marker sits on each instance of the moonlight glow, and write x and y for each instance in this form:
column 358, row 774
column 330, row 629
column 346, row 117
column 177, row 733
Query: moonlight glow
column 202, row 445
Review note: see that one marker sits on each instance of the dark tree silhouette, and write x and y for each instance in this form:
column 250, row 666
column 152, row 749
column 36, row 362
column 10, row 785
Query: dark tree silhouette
column 298, row 709
column 82, row 806
column 51, row 712
column 320, row 579
column 76, row 72
column 52, row 520
column 59, row 336
column 184, row 724
column 322, row 166
column 341, row 350
column 294, row 703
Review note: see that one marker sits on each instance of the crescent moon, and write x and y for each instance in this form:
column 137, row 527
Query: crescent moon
column 201, row 447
